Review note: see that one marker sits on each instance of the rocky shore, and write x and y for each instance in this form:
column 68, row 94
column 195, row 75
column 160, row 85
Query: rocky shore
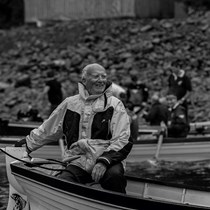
column 124, row 47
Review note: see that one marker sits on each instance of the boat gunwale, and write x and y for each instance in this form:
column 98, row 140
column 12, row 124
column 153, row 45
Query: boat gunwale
column 167, row 184
column 14, row 139
column 175, row 140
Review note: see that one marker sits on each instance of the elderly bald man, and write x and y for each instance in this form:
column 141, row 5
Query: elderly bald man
column 96, row 128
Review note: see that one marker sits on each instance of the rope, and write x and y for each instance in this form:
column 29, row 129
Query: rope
column 30, row 164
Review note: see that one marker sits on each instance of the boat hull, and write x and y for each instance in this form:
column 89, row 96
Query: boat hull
column 40, row 190
column 46, row 192
column 17, row 128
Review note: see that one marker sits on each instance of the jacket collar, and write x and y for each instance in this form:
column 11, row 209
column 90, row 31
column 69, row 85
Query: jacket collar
column 86, row 96
column 181, row 74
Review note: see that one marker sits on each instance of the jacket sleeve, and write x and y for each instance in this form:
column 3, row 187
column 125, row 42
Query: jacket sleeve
column 50, row 131
column 121, row 142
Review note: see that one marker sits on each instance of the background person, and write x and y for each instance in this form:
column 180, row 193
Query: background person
column 97, row 131
column 53, row 90
column 180, row 84
column 177, row 124
column 137, row 93
column 157, row 113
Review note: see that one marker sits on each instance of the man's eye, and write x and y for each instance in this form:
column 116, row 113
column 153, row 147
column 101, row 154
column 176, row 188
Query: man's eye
column 98, row 76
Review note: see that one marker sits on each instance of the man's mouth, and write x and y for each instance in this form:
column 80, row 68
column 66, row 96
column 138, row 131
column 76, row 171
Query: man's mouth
column 100, row 85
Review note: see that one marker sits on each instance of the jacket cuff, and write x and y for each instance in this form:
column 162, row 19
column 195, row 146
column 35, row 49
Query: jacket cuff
column 103, row 160
column 27, row 149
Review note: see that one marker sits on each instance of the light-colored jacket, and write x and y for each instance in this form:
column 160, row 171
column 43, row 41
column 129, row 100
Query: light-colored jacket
column 96, row 127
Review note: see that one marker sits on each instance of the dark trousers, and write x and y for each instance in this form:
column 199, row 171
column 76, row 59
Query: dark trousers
column 113, row 178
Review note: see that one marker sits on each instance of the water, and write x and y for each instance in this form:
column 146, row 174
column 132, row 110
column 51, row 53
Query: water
column 188, row 173
column 4, row 185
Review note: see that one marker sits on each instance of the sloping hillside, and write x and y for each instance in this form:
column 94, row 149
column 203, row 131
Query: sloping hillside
column 123, row 46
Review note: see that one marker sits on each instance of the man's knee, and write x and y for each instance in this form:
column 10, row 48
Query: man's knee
column 115, row 171
column 114, row 179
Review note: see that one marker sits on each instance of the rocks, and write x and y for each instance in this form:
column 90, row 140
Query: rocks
column 23, row 80
column 3, row 86
column 124, row 47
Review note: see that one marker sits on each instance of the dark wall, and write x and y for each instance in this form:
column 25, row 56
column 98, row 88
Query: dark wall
column 196, row 3
column 11, row 13
column 154, row 8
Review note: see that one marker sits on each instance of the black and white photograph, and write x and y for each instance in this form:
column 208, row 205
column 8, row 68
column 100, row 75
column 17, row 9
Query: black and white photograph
column 104, row 104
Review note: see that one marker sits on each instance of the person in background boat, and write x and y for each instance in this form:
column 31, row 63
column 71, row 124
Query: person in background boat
column 137, row 93
column 157, row 113
column 96, row 128
column 177, row 123
column 180, row 84
column 53, row 90
column 28, row 113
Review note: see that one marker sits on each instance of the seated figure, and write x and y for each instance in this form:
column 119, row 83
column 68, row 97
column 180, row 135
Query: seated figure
column 157, row 113
column 177, row 124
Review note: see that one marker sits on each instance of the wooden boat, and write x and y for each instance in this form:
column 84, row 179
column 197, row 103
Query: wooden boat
column 196, row 129
column 17, row 128
column 50, row 150
column 37, row 189
column 9, row 140
column 190, row 148
column 194, row 147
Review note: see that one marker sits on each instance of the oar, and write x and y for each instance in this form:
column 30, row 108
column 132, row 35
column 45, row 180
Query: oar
column 159, row 144
column 153, row 161
column 62, row 147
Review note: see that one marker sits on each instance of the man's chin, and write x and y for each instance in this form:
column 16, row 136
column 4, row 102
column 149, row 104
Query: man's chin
column 99, row 91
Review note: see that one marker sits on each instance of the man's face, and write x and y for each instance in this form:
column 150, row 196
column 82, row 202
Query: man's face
column 95, row 81
column 171, row 100
column 175, row 70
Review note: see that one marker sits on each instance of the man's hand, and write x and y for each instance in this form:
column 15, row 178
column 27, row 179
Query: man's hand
column 163, row 125
column 98, row 171
column 26, row 157
column 181, row 101
column 164, row 128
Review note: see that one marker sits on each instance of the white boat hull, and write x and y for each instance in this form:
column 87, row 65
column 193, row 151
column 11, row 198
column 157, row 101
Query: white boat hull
column 43, row 196
column 40, row 191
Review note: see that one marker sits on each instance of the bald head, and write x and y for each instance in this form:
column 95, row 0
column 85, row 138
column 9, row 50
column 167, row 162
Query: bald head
column 94, row 78
column 155, row 98
column 91, row 68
